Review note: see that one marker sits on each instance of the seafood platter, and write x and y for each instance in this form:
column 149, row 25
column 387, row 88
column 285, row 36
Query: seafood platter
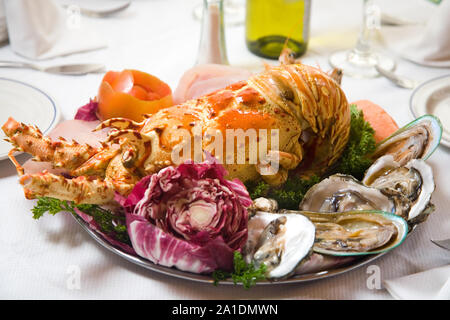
column 338, row 185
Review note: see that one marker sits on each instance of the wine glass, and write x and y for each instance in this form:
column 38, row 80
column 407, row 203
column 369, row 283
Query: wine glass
column 360, row 61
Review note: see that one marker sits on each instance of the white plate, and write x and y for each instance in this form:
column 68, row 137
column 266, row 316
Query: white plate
column 27, row 104
column 433, row 97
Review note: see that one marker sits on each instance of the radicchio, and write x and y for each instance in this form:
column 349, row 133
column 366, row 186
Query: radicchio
column 88, row 112
column 111, row 239
column 188, row 216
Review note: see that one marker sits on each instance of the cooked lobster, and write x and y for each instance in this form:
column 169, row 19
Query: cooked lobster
column 305, row 104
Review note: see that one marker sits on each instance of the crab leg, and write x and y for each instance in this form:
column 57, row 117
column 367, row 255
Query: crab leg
column 120, row 124
column 82, row 189
column 19, row 168
column 79, row 190
column 30, row 139
column 97, row 164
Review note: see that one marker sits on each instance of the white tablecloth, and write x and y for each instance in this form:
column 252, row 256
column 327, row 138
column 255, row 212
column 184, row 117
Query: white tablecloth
column 39, row 259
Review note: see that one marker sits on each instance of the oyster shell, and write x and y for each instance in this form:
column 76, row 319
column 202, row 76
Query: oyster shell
column 280, row 241
column 387, row 186
column 410, row 186
column 416, row 140
column 356, row 232
column 340, row 193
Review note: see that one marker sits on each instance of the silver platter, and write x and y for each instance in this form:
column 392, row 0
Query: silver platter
column 208, row 279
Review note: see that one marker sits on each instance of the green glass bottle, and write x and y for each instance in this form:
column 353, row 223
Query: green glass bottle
column 270, row 23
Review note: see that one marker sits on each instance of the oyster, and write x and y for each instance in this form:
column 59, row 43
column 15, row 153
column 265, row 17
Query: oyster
column 339, row 193
column 263, row 204
column 379, row 167
column 356, row 232
column 280, row 241
column 387, row 186
column 409, row 186
column 416, row 140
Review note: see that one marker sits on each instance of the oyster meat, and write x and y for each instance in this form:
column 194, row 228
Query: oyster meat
column 279, row 241
column 340, row 193
column 409, row 186
column 356, row 232
column 416, row 140
column 387, row 186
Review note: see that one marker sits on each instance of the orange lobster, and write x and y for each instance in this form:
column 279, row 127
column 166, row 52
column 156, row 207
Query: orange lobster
column 305, row 104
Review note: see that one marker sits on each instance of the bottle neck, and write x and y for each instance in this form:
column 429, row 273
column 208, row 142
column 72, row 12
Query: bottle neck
column 212, row 48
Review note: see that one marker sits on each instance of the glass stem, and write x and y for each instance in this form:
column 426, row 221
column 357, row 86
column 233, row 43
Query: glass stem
column 363, row 45
column 212, row 48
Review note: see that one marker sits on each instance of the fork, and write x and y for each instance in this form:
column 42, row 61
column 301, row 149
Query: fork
column 68, row 69
column 102, row 12
column 400, row 81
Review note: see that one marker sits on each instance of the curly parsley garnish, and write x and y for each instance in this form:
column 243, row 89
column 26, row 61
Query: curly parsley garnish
column 108, row 222
column 288, row 196
column 244, row 272
column 355, row 159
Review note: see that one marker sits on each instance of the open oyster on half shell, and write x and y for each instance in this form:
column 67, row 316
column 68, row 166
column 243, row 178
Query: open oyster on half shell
column 410, row 186
column 340, row 193
column 416, row 140
column 357, row 232
column 280, row 241
column 404, row 190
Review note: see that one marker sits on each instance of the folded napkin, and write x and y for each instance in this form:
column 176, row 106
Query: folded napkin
column 432, row 284
column 3, row 30
column 41, row 29
column 427, row 44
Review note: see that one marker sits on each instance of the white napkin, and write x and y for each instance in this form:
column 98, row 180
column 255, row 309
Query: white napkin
column 432, row 284
column 41, row 29
column 3, row 30
column 427, row 44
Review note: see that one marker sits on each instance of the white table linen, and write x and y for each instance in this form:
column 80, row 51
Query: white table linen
column 429, row 284
column 43, row 259
column 427, row 44
column 43, row 29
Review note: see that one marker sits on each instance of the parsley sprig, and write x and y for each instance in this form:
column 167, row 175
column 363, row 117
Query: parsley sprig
column 288, row 196
column 355, row 159
column 108, row 222
column 245, row 273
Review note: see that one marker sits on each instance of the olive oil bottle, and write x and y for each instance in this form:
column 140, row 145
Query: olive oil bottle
column 272, row 24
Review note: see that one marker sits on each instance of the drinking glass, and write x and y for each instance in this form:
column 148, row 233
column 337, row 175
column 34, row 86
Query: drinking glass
column 360, row 61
